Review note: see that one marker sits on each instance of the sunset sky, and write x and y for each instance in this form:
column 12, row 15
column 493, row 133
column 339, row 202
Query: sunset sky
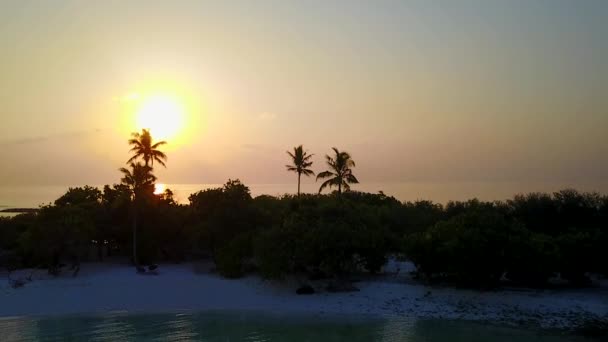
column 419, row 91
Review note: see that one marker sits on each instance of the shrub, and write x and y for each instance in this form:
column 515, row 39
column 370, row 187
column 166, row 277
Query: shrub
column 531, row 258
column 57, row 233
column 469, row 248
column 230, row 259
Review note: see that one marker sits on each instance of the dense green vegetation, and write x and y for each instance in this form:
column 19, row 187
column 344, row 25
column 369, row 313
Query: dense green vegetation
column 523, row 241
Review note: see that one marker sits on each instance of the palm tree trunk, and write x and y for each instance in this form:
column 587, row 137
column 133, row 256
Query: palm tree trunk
column 299, row 175
column 340, row 187
column 135, row 261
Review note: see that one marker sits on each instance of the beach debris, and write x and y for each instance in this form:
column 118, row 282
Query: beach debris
column 305, row 290
column 152, row 269
column 19, row 282
column 16, row 283
column 75, row 268
column 147, row 270
column 54, row 270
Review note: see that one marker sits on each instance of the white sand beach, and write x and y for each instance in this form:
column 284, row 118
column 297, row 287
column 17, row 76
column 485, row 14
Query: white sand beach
column 117, row 287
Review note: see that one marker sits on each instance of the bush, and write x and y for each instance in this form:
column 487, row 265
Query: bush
column 527, row 239
column 275, row 251
column 419, row 216
column 57, row 233
column 230, row 259
column 531, row 258
column 222, row 215
column 329, row 234
column 578, row 255
column 469, row 248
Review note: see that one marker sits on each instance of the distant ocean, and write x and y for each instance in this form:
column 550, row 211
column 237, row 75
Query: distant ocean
column 33, row 196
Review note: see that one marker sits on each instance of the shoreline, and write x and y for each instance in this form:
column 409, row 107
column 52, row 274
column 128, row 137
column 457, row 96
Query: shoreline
column 105, row 288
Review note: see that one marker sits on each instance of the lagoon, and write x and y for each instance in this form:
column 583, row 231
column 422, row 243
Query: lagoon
column 255, row 326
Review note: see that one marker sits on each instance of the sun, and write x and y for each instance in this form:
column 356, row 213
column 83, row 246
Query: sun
column 163, row 115
column 159, row 188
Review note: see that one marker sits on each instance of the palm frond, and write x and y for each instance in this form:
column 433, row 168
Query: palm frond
column 158, row 154
column 308, row 172
column 325, row 185
column 300, row 161
column 142, row 147
column 160, row 161
column 125, row 171
column 160, row 143
column 325, row 174
column 132, row 159
column 351, row 179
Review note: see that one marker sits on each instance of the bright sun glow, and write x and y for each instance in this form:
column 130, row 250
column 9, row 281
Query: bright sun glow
column 159, row 188
column 162, row 115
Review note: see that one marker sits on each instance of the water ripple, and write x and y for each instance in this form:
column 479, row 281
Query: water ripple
column 235, row 326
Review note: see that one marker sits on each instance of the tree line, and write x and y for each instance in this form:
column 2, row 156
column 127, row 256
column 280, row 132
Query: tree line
column 522, row 241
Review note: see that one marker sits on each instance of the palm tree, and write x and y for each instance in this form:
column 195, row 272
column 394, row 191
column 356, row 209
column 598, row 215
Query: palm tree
column 143, row 147
column 340, row 173
column 301, row 162
column 140, row 181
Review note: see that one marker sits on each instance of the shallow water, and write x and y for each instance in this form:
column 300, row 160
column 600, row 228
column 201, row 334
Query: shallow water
column 249, row 326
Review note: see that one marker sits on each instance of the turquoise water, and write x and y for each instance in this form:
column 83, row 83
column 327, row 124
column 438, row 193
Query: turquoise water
column 232, row 326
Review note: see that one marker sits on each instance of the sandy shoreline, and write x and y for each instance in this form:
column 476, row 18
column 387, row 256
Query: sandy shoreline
column 109, row 287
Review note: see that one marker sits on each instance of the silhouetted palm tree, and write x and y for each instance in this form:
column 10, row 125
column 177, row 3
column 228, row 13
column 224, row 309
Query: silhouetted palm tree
column 140, row 181
column 143, row 147
column 340, row 173
column 301, row 162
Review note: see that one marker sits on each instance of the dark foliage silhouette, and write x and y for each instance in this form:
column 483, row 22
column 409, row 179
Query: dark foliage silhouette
column 140, row 182
column 523, row 241
column 144, row 148
column 300, row 163
column 226, row 219
column 340, row 173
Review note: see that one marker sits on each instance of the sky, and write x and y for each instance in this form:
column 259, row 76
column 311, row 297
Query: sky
column 416, row 91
